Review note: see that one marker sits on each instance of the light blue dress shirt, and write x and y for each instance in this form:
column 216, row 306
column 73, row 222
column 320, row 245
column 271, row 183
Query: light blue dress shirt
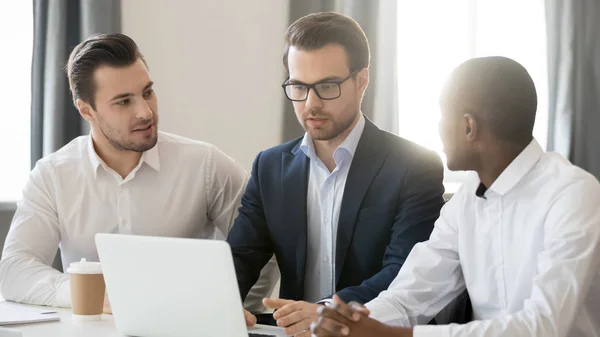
column 323, row 200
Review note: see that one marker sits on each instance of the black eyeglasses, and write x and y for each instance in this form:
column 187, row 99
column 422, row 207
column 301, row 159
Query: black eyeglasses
column 326, row 90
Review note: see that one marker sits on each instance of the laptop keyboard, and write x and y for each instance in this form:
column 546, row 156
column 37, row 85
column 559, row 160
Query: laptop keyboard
column 259, row 335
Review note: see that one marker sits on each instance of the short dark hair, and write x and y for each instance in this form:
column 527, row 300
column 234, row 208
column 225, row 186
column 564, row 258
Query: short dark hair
column 502, row 94
column 316, row 30
column 117, row 50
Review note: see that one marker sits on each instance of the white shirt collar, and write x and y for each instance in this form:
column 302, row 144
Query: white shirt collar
column 150, row 157
column 518, row 168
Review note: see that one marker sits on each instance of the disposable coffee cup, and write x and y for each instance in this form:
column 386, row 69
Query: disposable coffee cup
column 87, row 290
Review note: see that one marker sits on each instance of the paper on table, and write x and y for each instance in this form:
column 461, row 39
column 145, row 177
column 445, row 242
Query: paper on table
column 10, row 332
column 13, row 313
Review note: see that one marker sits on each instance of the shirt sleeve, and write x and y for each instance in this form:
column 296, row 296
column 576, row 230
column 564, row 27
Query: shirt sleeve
column 269, row 276
column 566, row 267
column 26, row 274
column 226, row 181
column 430, row 278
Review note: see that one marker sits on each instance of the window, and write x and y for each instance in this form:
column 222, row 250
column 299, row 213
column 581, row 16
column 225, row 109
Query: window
column 435, row 36
column 16, row 34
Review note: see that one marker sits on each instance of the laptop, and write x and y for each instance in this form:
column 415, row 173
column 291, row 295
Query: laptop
column 173, row 287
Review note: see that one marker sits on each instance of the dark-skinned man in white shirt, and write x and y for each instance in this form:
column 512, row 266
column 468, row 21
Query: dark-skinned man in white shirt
column 522, row 236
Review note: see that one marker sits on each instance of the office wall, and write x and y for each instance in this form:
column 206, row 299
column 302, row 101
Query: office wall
column 217, row 68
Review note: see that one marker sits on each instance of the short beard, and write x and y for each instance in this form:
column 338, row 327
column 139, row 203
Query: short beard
column 127, row 146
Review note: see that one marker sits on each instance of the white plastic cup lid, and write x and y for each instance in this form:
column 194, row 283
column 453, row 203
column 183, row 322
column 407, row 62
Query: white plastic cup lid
column 85, row 267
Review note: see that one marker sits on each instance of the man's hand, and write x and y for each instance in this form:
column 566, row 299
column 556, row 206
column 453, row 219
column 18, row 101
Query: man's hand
column 352, row 311
column 343, row 320
column 107, row 309
column 250, row 319
column 294, row 316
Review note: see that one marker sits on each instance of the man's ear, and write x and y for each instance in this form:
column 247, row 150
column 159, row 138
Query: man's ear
column 362, row 78
column 471, row 127
column 85, row 110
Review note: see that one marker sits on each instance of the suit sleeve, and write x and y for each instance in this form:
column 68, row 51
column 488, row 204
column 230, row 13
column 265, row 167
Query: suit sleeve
column 249, row 239
column 419, row 206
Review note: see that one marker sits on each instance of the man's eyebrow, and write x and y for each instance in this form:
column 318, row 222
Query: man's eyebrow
column 121, row 96
column 128, row 94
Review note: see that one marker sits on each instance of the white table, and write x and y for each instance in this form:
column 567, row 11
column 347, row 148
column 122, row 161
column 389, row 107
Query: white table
column 67, row 328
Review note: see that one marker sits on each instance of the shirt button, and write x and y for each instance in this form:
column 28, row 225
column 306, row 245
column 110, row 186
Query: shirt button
column 326, row 259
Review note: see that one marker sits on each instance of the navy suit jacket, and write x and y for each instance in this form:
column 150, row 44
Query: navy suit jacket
column 392, row 198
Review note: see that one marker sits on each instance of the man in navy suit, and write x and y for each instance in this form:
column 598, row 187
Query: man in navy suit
column 341, row 207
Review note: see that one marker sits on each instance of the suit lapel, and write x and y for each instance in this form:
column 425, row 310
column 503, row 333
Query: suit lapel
column 367, row 161
column 294, row 179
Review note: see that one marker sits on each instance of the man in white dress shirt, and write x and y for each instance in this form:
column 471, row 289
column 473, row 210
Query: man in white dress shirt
column 522, row 236
column 125, row 177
